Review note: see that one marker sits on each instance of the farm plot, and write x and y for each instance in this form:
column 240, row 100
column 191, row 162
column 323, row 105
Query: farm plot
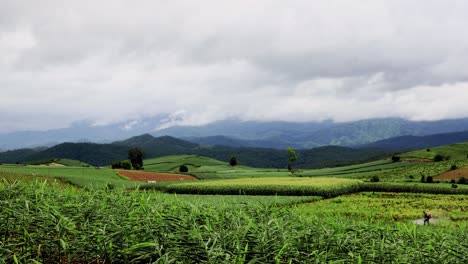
column 325, row 187
column 79, row 176
column 391, row 207
column 52, row 224
column 154, row 176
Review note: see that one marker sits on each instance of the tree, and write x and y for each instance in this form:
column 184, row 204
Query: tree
column 183, row 168
column 233, row 161
column 124, row 164
column 438, row 158
column 135, row 155
column 395, row 158
column 291, row 159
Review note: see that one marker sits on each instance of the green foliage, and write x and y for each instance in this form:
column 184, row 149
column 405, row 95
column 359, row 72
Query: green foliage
column 395, row 158
column 124, row 164
column 429, row 179
column 375, row 178
column 135, row 155
column 292, row 157
column 233, row 161
column 325, row 187
column 454, row 152
column 462, row 180
column 78, row 176
column 50, row 224
column 412, row 188
column 438, row 157
column 183, row 168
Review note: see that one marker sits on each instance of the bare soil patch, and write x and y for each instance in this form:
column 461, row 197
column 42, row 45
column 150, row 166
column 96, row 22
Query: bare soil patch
column 154, row 176
column 453, row 174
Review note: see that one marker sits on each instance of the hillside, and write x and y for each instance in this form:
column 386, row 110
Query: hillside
column 420, row 142
column 454, row 151
column 312, row 134
column 105, row 154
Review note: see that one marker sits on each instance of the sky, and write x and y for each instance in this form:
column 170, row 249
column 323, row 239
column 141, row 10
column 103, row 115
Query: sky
column 197, row 62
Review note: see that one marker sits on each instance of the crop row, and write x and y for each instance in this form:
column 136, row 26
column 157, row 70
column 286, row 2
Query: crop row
column 51, row 224
column 299, row 187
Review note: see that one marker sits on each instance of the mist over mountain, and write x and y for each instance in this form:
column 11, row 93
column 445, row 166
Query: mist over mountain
column 237, row 133
column 309, row 135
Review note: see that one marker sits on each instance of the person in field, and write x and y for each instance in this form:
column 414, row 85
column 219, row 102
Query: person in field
column 427, row 216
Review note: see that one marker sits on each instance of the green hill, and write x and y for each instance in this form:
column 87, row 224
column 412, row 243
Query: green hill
column 105, row 154
column 450, row 152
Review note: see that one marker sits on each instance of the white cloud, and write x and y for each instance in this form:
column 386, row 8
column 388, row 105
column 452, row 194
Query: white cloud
column 109, row 61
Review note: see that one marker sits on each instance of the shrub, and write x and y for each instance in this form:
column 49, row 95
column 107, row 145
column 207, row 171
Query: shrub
column 423, row 179
column 429, row 179
column 395, row 158
column 124, row 164
column 462, row 180
column 438, row 158
column 375, row 178
column 453, row 167
column 428, row 150
column 454, row 186
column 183, row 168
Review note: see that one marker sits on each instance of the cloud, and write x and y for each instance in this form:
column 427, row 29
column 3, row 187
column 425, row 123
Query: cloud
column 203, row 61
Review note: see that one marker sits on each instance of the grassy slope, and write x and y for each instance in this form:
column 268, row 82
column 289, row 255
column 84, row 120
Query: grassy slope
column 454, row 151
column 206, row 168
column 79, row 176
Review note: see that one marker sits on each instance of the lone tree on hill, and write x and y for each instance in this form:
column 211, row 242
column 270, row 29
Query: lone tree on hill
column 233, row 161
column 135, row 155
column 292, row 158
column 183, row 168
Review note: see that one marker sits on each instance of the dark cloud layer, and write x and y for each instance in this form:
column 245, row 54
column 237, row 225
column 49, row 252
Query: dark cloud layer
column 201, row 61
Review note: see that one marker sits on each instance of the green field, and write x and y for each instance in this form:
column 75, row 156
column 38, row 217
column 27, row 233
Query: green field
column 454, row 151
column 206, row 168
column 325, row 187
column 331, row 215
column 48, row 223
column 79, row 176
column 391, row 207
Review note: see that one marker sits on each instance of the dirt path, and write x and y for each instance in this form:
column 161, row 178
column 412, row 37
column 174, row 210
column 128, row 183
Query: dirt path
column 154, row 176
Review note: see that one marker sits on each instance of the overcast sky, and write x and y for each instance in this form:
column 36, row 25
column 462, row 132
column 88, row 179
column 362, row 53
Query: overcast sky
column 202, row 61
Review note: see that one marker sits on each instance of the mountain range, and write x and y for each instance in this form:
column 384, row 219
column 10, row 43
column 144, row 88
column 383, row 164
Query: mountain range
column 104, row 154
column 239, row 133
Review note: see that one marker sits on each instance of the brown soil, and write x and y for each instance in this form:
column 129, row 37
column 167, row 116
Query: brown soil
column 154, row 176
column 453, row 174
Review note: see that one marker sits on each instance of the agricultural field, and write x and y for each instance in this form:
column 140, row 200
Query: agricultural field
column 46, row 223
column 78, row 176
column 391, row 207
column 206, row 168
column 325, row 187
column 451, row 152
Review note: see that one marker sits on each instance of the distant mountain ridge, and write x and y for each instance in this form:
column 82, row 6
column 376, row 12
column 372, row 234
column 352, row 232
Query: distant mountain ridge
column 105, row 154
column 420, row 142
column 237, row 133
column 309, row 135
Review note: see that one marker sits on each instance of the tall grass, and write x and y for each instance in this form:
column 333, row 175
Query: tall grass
column 50, row 224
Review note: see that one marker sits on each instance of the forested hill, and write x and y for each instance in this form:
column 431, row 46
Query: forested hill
column 105, row 154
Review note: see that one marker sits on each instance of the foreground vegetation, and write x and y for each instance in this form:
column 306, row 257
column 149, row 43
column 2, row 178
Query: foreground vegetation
column 49, row 224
